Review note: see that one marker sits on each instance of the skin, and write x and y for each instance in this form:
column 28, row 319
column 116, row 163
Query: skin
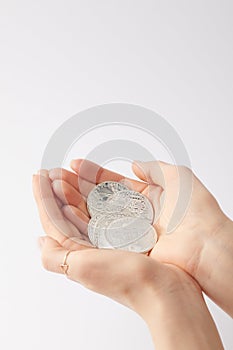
column 157, row 292
column 154, row 290
column 203, row 237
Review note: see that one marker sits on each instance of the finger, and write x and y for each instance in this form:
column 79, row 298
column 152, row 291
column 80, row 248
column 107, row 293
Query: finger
column 153, row 193
column 44, row 196
column 53, row 253
column 161, row 174
column 69, row 195
column 167, row 176
column 65, row 175
column 95, row 174
column 155, row 172
column 45, row 173
column 96, row 269
column 177, row 182
column 78, row 235
column 77, row 217
column 51, row 217
column 84, row 186
column 81, row 185
column 59, row 202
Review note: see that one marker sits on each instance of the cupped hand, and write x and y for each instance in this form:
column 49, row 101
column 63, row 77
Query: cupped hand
column 130, row 278
column 200, row 220
column 155, row 290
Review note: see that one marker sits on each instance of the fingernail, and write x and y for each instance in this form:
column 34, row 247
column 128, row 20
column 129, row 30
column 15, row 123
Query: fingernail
column 41, row 241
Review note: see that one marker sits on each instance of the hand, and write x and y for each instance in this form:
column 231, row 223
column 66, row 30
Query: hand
column 183, row 246
column 188, row 243
column 154, row 290
column 117, row 274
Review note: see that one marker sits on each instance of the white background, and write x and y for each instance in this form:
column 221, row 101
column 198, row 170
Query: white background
column 60, row 57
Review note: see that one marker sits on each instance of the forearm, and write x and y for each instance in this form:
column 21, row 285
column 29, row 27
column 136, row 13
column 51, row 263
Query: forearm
column 215, row 270
column 181, row 320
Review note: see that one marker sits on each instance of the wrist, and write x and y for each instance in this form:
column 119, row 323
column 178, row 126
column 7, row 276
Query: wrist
column 214, row 270
column 166, row 285
column 175, row 311
column 217, row 243
column 205, row 237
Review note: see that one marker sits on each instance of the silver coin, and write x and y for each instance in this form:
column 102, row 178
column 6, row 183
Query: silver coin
column 101, row 195
column 128, row 233
column 132, row 203
column 94, row 229
column 100, row 233
column 124, row 233
column 97, row 226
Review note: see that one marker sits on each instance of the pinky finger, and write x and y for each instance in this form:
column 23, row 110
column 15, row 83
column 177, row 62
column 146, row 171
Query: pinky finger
column 53, row 255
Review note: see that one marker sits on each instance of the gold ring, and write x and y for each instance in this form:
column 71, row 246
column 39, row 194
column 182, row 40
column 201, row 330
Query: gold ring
column 64, row 266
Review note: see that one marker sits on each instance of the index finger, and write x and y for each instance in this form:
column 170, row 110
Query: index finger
column 96, row 174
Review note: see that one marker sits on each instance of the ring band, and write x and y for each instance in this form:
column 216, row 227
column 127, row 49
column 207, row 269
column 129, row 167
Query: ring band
column 64, row 266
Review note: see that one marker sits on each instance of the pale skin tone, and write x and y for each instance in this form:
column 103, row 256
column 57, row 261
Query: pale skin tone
column 165, row 276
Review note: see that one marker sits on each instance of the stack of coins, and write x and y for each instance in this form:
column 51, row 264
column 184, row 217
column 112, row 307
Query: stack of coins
column 120, row 218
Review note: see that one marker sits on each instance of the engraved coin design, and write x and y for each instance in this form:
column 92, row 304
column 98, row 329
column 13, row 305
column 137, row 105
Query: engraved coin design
column 131, row 234
column 102, row 195
column 133, row 204
column 120, row 218
column 92, row 227
column 97, row 228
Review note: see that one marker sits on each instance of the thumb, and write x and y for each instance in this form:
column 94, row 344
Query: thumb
column 176, row 181
column 153, row 172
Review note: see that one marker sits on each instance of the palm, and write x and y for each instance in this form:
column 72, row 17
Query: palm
column 72, row 189
column 105, row 265
column 61, row 200
column 180, row 248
